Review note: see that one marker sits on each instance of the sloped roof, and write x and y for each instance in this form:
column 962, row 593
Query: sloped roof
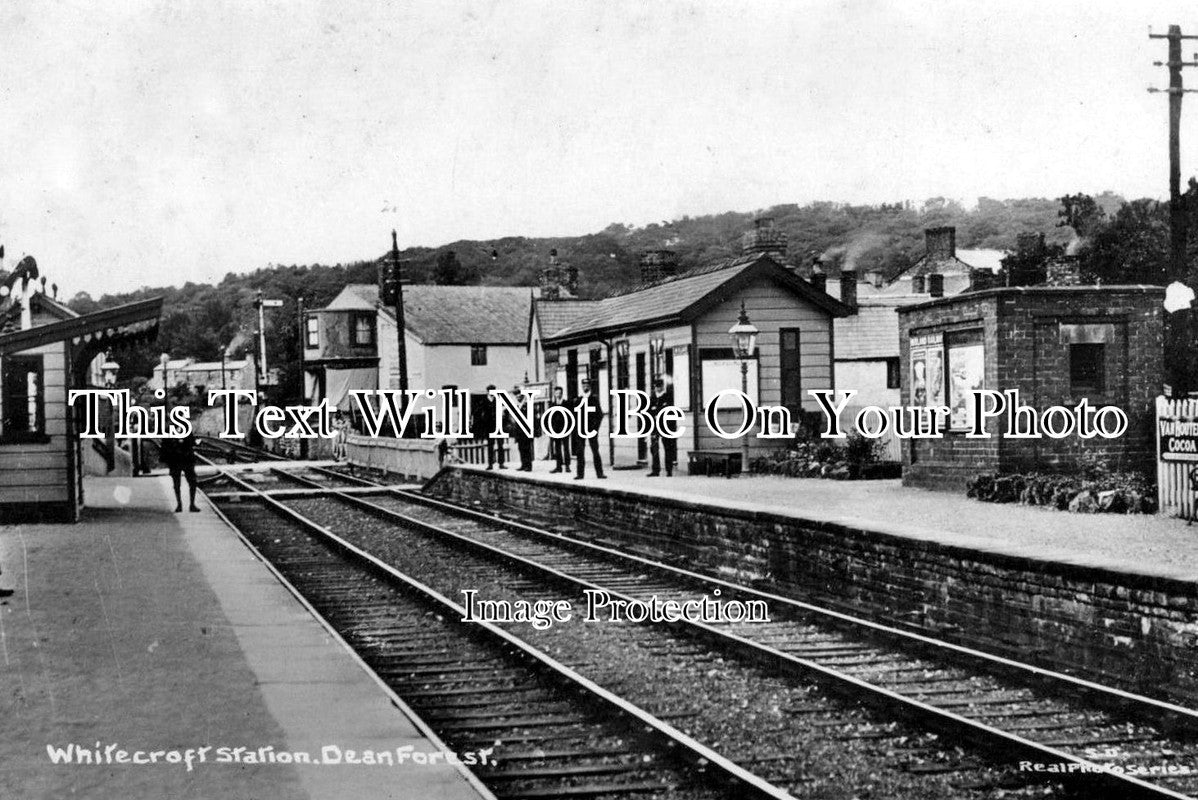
column 680, row 297
column 95, row 331
column 556, row 315
column 959, row 264
column 452, row 314
column 10, row 313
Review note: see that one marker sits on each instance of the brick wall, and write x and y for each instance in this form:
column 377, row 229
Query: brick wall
column 1024, row 351
column 1132, row 631
column 949, row 461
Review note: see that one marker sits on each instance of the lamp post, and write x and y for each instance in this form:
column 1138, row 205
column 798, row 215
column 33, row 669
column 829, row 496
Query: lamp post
column 166, row 394
column 109, row 370
column 744, row 344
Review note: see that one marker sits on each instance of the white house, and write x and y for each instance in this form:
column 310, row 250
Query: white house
column 465, row 337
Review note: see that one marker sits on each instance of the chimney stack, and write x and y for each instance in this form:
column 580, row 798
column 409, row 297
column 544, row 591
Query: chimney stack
column 941, row 243
column 936, row 284
column 765, row 238
column 658, row 264
column 848, row 288
column 980, row 279
column 819, row 281
column 1064, row 271
column 551, row 278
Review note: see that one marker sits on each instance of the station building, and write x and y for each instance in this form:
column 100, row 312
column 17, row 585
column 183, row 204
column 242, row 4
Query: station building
column 677, row 325
column 1056, row 345
column 46, row 350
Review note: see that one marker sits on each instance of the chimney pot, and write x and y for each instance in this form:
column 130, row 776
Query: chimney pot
column 848, row 288
column 658, row 264
column 936, row 284
column 765, row 238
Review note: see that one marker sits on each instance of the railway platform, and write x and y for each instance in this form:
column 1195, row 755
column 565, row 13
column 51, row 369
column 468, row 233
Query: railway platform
column 155, row 635
column 1135, row 544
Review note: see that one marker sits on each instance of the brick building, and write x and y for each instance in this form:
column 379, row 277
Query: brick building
column 1055, row 345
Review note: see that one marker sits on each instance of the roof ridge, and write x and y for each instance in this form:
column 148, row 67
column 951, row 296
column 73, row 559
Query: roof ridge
column 703, row 269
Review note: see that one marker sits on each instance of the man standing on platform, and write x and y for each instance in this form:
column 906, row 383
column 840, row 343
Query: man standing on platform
column 588, row 408
column 559, row 448
column 486, row 424
column 523, row 442
column 663, row 395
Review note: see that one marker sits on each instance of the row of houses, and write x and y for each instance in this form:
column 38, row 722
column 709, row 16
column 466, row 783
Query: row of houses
column 924, row 337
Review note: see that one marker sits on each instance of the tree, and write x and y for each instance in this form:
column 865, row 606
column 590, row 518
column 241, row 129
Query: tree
column 1133, row 247
column 449, row 270
column 1082, row 213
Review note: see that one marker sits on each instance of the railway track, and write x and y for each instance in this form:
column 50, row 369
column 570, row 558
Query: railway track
column 547, row 732
column 1025, row 712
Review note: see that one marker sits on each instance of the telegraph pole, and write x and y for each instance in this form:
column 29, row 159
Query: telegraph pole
column 1178, row 338
column 397, row 276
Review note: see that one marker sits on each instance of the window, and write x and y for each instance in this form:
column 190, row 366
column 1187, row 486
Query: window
column 478, row 355
column 679, row 367
column 892, row 373
column 22, row 400
column 312, row 332
column 792, row 387
column 1087, row 368
column 361, row 331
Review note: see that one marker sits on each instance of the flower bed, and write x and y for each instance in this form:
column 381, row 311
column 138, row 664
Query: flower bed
column 818, row 458
column 1092, row 492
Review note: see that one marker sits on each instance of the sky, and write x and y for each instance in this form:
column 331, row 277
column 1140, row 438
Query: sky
column 153, row 143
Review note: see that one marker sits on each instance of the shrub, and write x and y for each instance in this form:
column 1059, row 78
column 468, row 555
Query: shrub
column 821, row 458
column 1093, row 489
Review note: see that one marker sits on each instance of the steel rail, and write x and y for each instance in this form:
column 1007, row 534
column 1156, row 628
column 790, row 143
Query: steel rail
column 673, row 739
column 860, row 690
column 1180, row 717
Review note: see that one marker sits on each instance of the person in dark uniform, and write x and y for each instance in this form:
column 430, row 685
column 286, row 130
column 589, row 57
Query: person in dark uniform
column 593, row 413
column 523, row 441
column 663, row 395
column 179, row 456
column 559, row 449
column 486, row 424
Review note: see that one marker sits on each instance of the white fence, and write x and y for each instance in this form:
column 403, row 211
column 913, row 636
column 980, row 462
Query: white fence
column 1176, row 455
column 416, row 459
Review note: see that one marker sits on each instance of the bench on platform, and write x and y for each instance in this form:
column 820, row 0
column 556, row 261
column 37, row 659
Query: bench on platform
column 714, row 462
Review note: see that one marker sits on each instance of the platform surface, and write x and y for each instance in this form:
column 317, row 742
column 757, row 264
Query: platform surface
column 156, row 631
column 1140, row 544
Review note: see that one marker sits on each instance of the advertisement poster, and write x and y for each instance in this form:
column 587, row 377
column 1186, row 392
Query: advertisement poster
column 317, row 481
column 967, row 368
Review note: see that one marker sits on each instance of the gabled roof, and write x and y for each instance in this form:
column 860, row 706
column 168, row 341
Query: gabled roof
column 93, row 331
column 683, row 297
column 496, row 315
column 10, row 314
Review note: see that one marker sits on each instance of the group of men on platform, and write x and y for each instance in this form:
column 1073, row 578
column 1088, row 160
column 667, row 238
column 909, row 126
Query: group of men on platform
column 562, row 450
